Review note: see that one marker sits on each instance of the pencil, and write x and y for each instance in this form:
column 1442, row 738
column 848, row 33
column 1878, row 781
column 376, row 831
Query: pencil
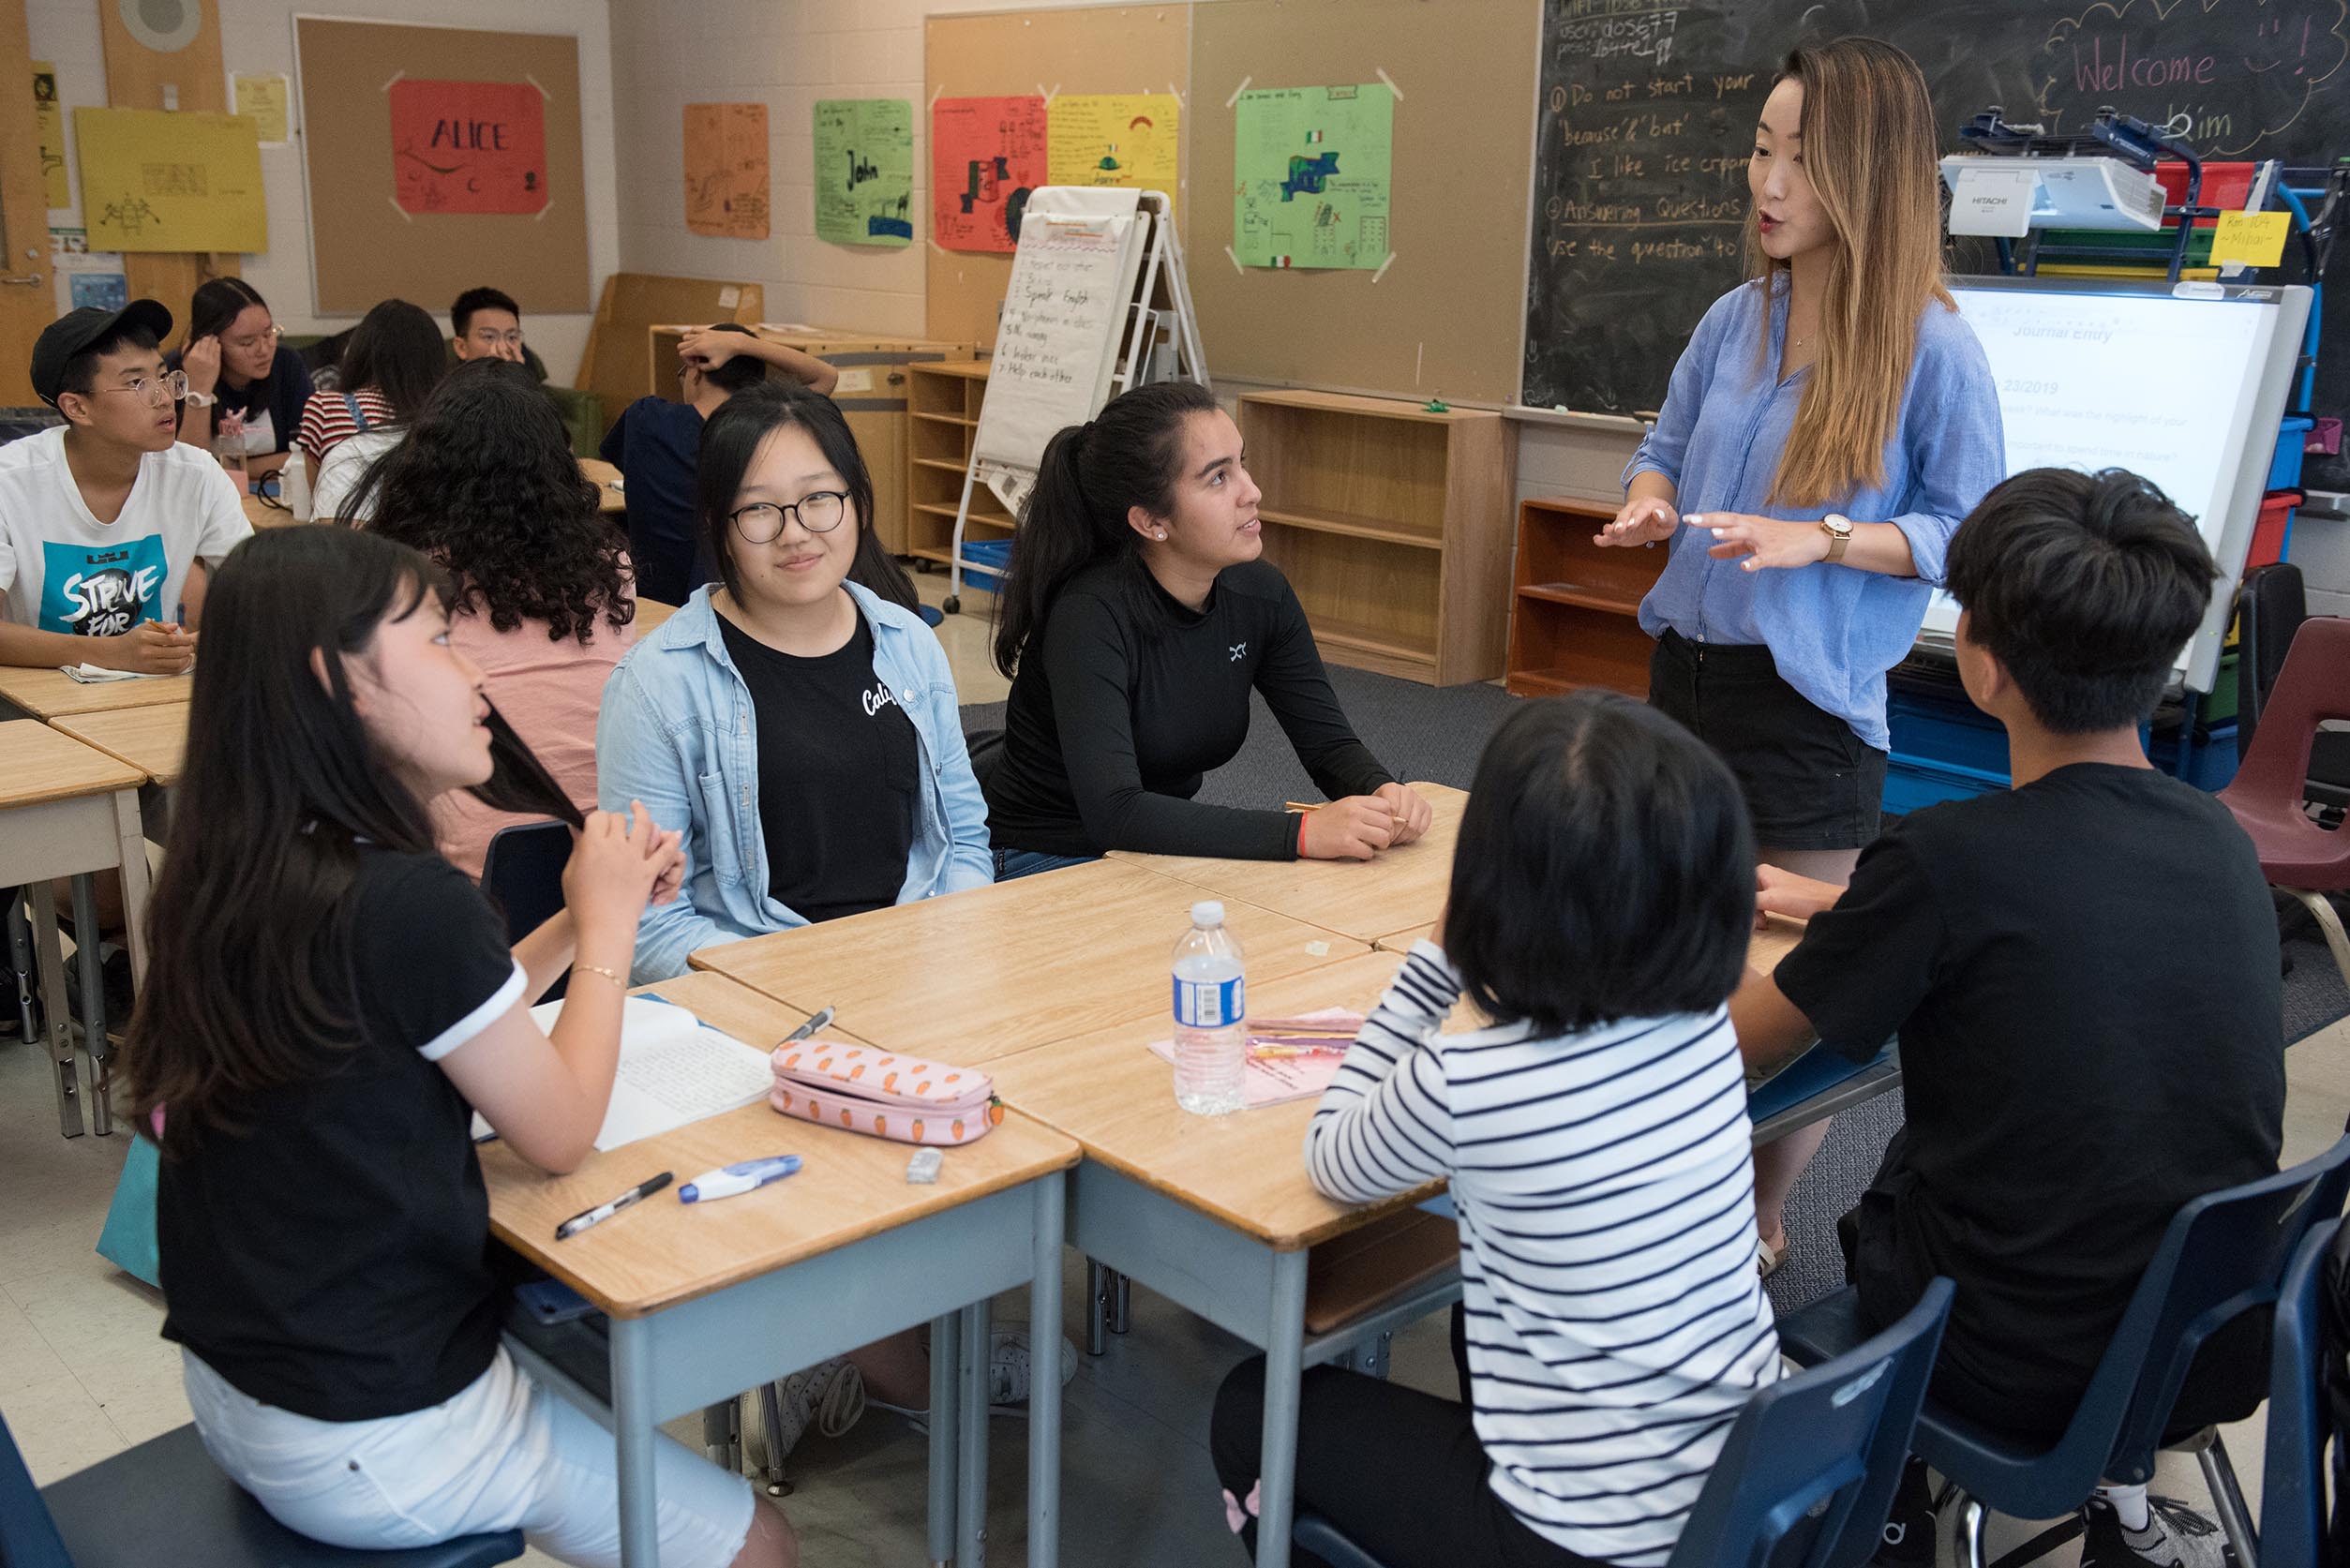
column 1301, row 805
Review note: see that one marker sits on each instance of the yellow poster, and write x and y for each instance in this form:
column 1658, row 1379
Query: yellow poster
column 264, row 98
column 1112, row 138
column 152, row 180
column 51, row 120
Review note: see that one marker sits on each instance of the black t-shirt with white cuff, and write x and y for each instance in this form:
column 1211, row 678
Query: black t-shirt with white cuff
column 329, row 1256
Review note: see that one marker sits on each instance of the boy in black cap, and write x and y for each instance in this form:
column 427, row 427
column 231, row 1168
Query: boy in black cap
column 108, row 525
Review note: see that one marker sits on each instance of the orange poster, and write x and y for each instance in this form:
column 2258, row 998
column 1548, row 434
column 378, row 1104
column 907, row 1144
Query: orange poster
column 986, row 155
column 469, row 146
column 725, row 170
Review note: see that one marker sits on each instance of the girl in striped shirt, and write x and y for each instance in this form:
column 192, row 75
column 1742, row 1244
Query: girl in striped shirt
column 1596, row 1141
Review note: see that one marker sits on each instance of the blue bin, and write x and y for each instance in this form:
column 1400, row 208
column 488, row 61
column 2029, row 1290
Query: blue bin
column 2284, row 466
column 984, row 563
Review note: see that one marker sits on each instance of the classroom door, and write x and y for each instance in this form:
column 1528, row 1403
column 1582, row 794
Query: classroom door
column 26, row 295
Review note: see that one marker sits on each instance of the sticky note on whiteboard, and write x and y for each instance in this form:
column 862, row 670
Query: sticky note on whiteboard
column 1993, row 202
column 2254, row 239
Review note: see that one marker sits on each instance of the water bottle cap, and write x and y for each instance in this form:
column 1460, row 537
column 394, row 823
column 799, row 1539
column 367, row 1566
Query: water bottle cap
column 1208, row 912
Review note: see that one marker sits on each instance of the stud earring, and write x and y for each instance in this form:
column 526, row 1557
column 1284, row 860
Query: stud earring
column 1162, row 533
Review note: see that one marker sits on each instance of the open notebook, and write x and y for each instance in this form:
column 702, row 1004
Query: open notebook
column 674, row 1068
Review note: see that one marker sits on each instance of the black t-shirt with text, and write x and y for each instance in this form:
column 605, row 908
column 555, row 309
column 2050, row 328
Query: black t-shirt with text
column 840, row 775
column 2084, row 976
column 328, row 1257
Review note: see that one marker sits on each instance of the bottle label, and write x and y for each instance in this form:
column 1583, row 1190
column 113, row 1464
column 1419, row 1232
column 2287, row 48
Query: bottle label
column 1209, row 1004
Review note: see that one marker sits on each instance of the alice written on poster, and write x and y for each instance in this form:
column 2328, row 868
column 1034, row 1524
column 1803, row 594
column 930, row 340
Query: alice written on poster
column 864, row 172
column 986, row 155
column 1315, row 171
column 474, row 147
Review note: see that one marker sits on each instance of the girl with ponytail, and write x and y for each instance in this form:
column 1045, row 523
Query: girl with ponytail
column 1136, row 616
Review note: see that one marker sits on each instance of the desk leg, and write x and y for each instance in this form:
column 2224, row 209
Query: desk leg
column 1045, row 1379
column 971, row 1457
column 632, row 1436
column 56, row 1020
column 1285, row 1366
column 95, row 1024
column 133, row 840
column 946, row 1359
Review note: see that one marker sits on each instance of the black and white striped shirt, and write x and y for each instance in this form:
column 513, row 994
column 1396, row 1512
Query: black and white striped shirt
column 1605, row 1186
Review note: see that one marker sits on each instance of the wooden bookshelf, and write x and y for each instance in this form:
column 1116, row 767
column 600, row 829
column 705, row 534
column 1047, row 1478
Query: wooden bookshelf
column 1392, row 524
column 1575, row 607
column 942, row 416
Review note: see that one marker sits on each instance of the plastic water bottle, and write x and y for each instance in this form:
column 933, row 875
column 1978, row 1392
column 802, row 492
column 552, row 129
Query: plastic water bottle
column 1210, row 1011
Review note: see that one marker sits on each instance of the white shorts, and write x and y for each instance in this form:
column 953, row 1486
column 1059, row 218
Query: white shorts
column 503, row 1455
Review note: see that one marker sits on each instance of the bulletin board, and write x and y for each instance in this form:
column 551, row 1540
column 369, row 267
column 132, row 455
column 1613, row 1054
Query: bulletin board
column 508, row 208
column 1103, row 49
column 1445, row 315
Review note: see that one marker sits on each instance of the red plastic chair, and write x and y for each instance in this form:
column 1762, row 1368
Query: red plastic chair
column 2296, row 855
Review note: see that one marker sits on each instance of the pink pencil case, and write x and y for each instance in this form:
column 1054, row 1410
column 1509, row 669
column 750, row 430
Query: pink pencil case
column 883, row 1094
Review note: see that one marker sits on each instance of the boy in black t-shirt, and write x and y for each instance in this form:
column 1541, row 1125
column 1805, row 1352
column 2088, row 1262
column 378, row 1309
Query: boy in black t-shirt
column 2083, row 972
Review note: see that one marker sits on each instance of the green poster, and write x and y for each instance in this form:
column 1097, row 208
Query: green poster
column 864, row 170
column 1315, row 171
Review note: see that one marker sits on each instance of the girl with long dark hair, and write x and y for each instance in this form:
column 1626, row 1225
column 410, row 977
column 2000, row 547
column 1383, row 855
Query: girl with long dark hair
column 394, row 358
column 326, row 1007
column 1135, row 619
column 541, row 595
column 235, row 364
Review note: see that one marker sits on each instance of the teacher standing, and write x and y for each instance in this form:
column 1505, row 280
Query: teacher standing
column 1826, row 429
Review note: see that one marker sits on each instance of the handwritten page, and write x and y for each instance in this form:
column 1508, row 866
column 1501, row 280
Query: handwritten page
column 864, row 170
column 986, row 158
column 674, row 1069
column 725, row 170
column 1315, row 170
column 1129, row 140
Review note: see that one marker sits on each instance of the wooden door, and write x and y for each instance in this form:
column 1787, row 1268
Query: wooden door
column 28, row 295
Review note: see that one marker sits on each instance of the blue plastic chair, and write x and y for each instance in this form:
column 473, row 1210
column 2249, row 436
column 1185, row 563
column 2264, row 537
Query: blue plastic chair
column 2223, row 1255
column 522, row 872
column 166, row 1501
column 1807, row 1474
column 2293, row 1484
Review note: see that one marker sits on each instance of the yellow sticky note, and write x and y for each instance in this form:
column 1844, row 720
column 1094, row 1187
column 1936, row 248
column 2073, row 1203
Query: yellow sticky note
column 2256, row 239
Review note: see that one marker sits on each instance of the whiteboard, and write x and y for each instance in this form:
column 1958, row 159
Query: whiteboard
column 2183, row 384
column 1056, row 344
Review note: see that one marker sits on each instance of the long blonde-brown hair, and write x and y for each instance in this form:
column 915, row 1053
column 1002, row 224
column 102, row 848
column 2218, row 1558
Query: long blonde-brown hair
column 1869, row 147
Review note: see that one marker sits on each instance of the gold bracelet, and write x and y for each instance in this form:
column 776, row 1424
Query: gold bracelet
column 619, row 981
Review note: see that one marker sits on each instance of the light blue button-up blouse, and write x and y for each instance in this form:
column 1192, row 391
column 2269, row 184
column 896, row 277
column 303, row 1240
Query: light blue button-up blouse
column 1832, row 630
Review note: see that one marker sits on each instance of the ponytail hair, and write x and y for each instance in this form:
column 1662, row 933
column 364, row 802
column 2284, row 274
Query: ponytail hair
column 1092, row 476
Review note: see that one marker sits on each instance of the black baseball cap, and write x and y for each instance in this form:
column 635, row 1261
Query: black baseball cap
column 76, row 330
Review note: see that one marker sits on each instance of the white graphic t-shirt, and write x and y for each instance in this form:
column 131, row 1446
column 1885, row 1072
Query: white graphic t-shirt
column 62, row 570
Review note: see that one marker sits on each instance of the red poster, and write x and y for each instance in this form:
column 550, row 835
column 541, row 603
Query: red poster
column 986, row 155
column 469, row 146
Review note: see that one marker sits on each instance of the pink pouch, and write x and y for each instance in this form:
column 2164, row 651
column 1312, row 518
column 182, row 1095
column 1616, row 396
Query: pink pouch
column 883, row 1094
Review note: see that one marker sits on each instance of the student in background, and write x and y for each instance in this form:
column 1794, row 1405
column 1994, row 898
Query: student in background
column 236, row 366
column 2083, row 972
column 1596, row 1138
column 391, row 362
column 317, row 1045
column 540, row 593
column 655, row 441
column 1831, row 421
column 489, row 325
column 109, row 527
column 1136, row 617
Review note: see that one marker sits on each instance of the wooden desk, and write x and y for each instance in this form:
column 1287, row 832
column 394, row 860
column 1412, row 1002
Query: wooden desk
column 1764, row 949
column 264, row 514
column 651, row 613
column 709, row 1299
column 1365, row 900
column 978, row 974
column 152, row 740
column 607, row 484
column 44, row 691
column 70, row 810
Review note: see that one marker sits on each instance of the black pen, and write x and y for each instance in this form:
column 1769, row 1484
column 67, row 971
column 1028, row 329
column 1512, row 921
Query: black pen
column 603, row 1211
column 819, row 1022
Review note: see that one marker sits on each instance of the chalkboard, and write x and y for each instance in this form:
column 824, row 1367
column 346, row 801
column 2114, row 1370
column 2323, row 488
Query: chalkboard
column 1648, row 107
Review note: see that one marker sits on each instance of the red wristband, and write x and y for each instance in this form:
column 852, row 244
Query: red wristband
column 1301, row 834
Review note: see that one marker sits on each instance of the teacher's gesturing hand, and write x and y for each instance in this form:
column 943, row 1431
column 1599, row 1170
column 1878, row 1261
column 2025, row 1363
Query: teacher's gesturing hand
column 1763, row 541
column 1644, row 521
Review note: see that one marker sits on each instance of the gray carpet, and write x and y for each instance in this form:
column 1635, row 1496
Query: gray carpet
column 1424, row 732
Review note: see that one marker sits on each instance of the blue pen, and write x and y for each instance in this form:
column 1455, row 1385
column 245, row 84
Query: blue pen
column 729, row 1180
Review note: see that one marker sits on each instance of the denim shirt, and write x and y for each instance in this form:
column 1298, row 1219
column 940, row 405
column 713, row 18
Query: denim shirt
column 1832, row 630
column 678, row 732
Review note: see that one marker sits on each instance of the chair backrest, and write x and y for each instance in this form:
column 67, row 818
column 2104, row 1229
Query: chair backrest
column 2270, row 607
column 523, row 874
column 28, row 1536
column 2314, row 686
column 2223, row 1255
column 2293, row 1488
column 1817, row 1456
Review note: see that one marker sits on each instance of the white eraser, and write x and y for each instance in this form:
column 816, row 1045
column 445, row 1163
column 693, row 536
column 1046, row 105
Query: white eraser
column 923, row 1169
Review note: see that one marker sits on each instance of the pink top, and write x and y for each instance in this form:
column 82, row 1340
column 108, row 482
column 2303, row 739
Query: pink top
column 549, row 691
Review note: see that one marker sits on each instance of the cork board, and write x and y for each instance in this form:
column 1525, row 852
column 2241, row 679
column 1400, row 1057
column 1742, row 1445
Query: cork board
column 365, row 244
column 1447, row 315
column 1100, row 49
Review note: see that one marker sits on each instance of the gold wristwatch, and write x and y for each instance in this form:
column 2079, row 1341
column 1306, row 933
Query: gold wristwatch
column 1838, row 528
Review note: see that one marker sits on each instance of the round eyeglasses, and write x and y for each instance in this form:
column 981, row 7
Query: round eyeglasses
column 762, row 521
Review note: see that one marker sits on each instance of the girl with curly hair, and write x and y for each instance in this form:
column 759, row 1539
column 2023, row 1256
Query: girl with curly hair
column 543, row 592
